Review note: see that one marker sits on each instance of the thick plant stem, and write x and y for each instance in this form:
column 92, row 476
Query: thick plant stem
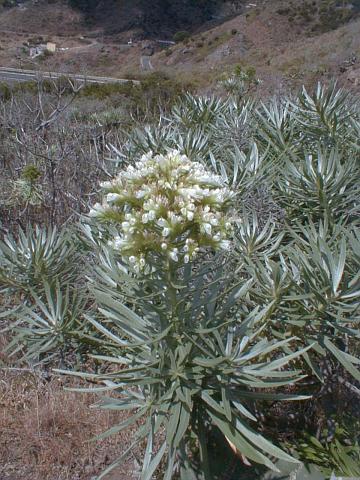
column 171, row 292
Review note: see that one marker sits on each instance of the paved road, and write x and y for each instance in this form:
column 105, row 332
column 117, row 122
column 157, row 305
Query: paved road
column 18, row 75
column 145, row 62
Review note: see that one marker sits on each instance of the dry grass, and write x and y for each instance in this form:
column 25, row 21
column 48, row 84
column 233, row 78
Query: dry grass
column 55, row 18
column 45, row 431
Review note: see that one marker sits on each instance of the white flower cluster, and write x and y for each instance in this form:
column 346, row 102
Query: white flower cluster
column 166, row 204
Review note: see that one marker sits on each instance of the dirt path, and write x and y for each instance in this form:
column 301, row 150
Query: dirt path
column 145, row 63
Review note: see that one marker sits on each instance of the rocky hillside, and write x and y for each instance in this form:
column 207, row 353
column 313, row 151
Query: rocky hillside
column 155, row 17
column 165, row 17
column 285, row 47
column 287, row 43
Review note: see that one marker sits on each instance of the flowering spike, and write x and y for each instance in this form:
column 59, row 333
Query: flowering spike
column 168, row 205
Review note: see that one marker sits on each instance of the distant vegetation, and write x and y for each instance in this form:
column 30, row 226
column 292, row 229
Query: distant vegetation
column 85, row 5
column 181, row 36
column 323, row 15
column 159, row 17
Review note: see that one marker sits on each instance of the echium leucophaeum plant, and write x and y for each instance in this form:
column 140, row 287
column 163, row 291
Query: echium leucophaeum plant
column 188, row 353
column 167, row 205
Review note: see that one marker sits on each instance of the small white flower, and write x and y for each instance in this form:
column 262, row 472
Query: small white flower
column 190, row 216
column 173, row 255
column 152, row 215
column 213, row 180
column 145, row 218
column 106, row 185
column 225, row 245
column 174, row 218
column 206, row 227
column 186, row 258
column 164, row 246
column 185, row 168
column 97, row 210
column 112, row 197
column 162, row 222
column 132, row 259
column 165, row 232
column 118, row 243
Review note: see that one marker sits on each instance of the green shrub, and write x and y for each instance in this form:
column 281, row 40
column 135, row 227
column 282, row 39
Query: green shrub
column 104, row 90
column 30, row 173
column 187, row 337
column 339, row 456
column 51, row 327
column 43, row 267
column 5, row 92
column 181, row 36
column 37, row 255
column 283, row 11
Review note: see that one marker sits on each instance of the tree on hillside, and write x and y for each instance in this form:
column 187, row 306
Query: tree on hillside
column 85, row 5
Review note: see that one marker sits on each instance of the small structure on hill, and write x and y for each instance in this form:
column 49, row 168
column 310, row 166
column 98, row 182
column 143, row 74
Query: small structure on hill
column 36, row 51
column 51, row 47
column 41, row 48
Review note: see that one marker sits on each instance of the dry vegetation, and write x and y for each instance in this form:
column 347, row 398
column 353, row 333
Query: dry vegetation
column 46, row 431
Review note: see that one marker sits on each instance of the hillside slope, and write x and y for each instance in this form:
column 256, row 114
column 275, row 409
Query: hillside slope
column 288, row 44
column 284, row 53
column 159, row 17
